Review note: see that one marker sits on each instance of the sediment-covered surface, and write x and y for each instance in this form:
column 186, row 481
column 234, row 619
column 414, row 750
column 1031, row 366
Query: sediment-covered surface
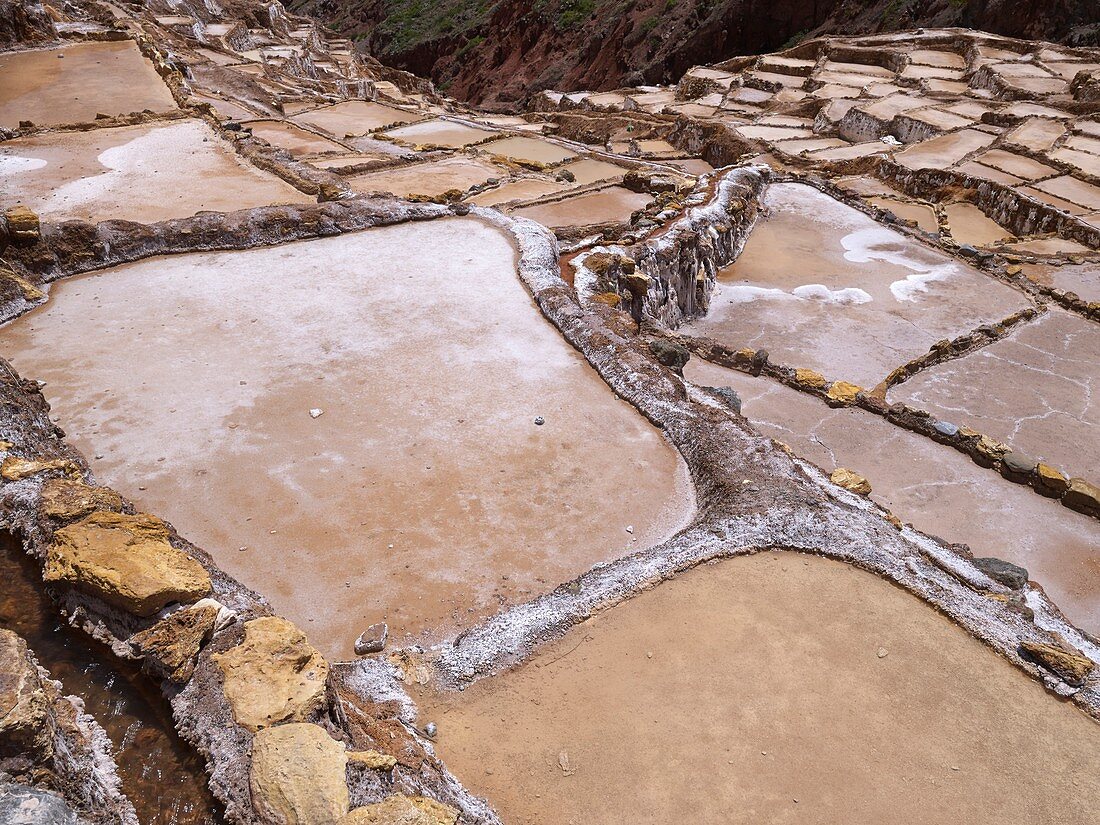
column 931, row 486
column 76, row 82
column 135, row 173
column 1035, row 389
column 778, row 686
column 822, row 286
column 424, row 493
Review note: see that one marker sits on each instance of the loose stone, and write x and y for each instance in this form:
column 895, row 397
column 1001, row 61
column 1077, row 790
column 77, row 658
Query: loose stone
column 372, row 640
column 1009, row 574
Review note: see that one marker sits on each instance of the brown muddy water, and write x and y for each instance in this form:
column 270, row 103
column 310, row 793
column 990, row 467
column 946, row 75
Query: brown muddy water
column 610, row 205
column 423, row 493
column 432, row 178
column 775, row 688
column 161, row 775
column 823, row 286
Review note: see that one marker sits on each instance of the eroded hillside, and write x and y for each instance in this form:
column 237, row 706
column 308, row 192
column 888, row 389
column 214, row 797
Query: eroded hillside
column 501, row 52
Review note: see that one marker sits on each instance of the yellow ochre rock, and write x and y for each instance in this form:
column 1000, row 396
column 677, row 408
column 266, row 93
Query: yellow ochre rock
column 403, row 810
column 844, row 392
column 298, row 775
column 126, row 561
column 810, row 378
column 274, row 675
column 850, row 481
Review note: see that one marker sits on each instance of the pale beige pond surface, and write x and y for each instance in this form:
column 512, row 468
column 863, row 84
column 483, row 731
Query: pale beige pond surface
column 823, row 286
column 610, row 205
column 75, row 83
column 293, row 138
column 441, row 133
column 355, row 117
column 135, row 173
column 424, row 494
column 431, row 178
column 933, row 487
column 1034, row 390
column 529, row 149
column 775, row 689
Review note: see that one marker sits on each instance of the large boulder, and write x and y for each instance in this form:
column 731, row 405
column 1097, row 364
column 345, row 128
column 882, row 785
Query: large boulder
column 274, row 675
column 127, row 561
column 1065, row 662
column 65, row 500
column 298, row 776
column 24, row 805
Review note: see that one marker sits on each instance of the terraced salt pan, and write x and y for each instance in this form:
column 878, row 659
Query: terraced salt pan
column 523, row 189
column 1084, row 279
column 610, row 205
column 136, row 173
column 945, row 150
column 294, row 139
column 970, row 225
column 424, row 494
column 1034, row 390
column 354, row 118
column 823, row 286
column 934, row 487
column 920, row 214
column 75, row 83
column 529, row 149
column 774, row 688
column 441, row 133
column 431, row 179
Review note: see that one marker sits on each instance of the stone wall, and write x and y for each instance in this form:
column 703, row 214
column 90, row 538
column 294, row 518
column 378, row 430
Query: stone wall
column 670, row 276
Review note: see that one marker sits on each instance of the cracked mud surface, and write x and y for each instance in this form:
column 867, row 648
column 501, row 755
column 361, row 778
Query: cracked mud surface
column 425, row 483
column 709, row 697
column 938, row 490
column 1035, row 389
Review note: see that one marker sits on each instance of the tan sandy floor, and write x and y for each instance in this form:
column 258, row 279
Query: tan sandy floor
column 424, row 494
column 772, row 689
column 47, row 88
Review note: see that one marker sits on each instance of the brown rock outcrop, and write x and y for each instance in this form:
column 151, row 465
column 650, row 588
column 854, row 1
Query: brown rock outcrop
column 125, row 560
column 850, row 481
column 65, row 500
column 274, row 675
column 172, row 644
column 1068, row 665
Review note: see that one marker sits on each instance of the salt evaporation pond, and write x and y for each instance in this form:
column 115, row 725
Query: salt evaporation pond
column 424, row 494
column 823, row 286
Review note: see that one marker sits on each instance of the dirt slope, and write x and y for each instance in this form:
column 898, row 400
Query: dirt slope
column 501, row 52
